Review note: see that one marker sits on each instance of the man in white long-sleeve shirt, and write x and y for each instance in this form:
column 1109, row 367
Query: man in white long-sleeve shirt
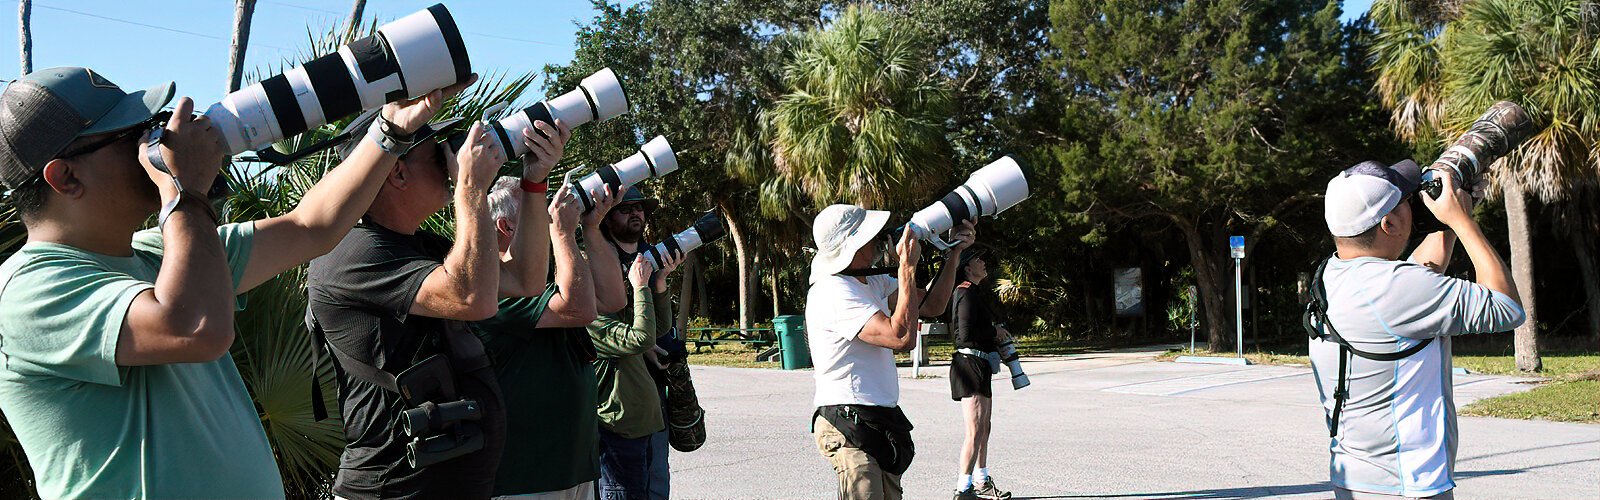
column 1394, row 435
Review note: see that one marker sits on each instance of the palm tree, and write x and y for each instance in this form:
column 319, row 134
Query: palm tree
column 243, row 11
column 353, row 22
column 863, row 120
column 1441, row 63
column 25, row 34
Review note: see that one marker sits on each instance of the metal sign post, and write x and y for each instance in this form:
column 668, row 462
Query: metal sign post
column 1194, row 317
column 1236, row 243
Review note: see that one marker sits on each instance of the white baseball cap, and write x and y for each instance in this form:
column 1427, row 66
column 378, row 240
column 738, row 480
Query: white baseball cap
column 1359, row 197
column 840, row 231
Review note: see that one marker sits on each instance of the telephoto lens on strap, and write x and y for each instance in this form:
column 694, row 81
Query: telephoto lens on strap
column 405, row 59
column 705, row 230
column 994, row 188
column 598, row 97
column 654, row 159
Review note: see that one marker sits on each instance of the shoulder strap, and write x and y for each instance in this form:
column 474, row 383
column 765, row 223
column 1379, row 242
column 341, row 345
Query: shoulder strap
column 1315, row 320
column 358, row 369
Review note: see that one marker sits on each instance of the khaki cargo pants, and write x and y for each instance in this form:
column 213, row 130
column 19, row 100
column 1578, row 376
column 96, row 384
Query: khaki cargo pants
column 860, row 477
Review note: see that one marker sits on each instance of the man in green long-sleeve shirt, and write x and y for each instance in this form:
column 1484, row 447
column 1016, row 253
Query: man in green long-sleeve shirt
column 629, row 405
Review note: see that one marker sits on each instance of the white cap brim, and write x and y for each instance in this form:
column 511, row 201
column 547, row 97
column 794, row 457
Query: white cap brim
column 831, row 261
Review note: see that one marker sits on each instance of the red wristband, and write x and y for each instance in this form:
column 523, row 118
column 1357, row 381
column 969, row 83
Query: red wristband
column 535, row 187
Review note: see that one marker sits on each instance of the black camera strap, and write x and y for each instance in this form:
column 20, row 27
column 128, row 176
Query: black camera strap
column 320, row 347
column 870, row 271
column 1315, row 320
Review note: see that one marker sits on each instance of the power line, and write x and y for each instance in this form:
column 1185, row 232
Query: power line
column 485, row 35
column 151, row 26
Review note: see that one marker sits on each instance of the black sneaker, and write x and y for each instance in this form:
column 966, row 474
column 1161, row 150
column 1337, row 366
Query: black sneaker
column 967, row 494
column 988, row 491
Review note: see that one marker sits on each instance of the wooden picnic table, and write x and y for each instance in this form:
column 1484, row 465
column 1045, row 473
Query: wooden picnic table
column 711, row 336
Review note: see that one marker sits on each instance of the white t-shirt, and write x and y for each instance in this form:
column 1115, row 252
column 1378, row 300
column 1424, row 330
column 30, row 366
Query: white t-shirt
column 849, row 371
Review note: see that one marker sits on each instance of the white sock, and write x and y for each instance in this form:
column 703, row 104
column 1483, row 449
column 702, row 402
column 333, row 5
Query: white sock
column 963, row 482
column 980, row 475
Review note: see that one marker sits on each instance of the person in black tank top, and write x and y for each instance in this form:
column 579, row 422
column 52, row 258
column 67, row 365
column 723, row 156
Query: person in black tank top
column 974, row 363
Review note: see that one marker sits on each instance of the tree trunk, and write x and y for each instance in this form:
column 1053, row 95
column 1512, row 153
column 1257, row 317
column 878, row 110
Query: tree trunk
column 243, row 10
column 25, row 34
column 1583, row 248
column 776, row 299
column 1526, row 341
column 744, row 254
column 686, row 286
column 355, row 17
column 1209, row 282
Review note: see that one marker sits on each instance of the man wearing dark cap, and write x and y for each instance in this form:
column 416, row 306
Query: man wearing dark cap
column 1381, row 330
column 633, row 437
column 391, row 297
column 116, row 376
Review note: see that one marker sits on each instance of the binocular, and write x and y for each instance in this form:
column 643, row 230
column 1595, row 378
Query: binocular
column 705, row 230
column 994, row 188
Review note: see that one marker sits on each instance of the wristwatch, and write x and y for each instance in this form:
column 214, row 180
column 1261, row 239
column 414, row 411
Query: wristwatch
column 389, row 137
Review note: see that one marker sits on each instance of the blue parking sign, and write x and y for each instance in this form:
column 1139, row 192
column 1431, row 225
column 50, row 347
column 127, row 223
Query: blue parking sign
column 1236, row 243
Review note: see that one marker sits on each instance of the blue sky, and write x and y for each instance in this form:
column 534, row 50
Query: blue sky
column 140, row 43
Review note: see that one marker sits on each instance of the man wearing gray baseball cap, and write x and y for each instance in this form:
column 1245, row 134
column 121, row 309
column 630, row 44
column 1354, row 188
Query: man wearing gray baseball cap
column 114, row 365
column 1380, row 330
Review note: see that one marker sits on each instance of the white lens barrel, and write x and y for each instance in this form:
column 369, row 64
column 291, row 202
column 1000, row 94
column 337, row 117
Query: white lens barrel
column 610, row 99
column 1000, row 185
column 245, row 120
column 407, row 58
column 419, row 43
column 654, row 159
column 992, row 189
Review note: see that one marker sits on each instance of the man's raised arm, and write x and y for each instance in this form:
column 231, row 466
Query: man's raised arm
column 331, row 207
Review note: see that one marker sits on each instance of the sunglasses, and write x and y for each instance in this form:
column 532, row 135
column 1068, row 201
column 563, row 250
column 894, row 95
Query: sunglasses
column 87, row 148
column 629, row 209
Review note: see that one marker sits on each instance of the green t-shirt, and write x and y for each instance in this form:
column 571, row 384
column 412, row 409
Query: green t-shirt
column 92, row 429
column 552, row 433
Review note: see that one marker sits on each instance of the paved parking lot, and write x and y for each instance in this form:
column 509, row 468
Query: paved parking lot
column 1115, row 425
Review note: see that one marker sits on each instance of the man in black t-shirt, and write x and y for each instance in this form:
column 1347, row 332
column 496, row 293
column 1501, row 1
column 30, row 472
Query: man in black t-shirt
column 390, row 296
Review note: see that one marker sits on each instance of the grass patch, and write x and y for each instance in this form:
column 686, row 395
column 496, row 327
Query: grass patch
column 1255, row 357
column 1570, row 393
column 1576, row 400
column 734, row 355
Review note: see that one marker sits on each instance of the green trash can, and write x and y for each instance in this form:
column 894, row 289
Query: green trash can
column 791, row 330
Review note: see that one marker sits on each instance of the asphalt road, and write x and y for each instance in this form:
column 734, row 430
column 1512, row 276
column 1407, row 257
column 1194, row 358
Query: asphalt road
column 1114, row 425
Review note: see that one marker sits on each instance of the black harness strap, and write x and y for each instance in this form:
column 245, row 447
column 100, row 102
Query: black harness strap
column 1315, row 320
column 319, row 347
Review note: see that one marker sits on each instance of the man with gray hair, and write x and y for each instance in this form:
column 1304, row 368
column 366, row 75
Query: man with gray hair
column 1381, row 329
column 542, row 353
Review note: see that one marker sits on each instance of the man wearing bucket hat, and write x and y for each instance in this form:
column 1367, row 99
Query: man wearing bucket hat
column 116, row 375
column 392, row 297
column 856, row 317
column 1381, row 330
